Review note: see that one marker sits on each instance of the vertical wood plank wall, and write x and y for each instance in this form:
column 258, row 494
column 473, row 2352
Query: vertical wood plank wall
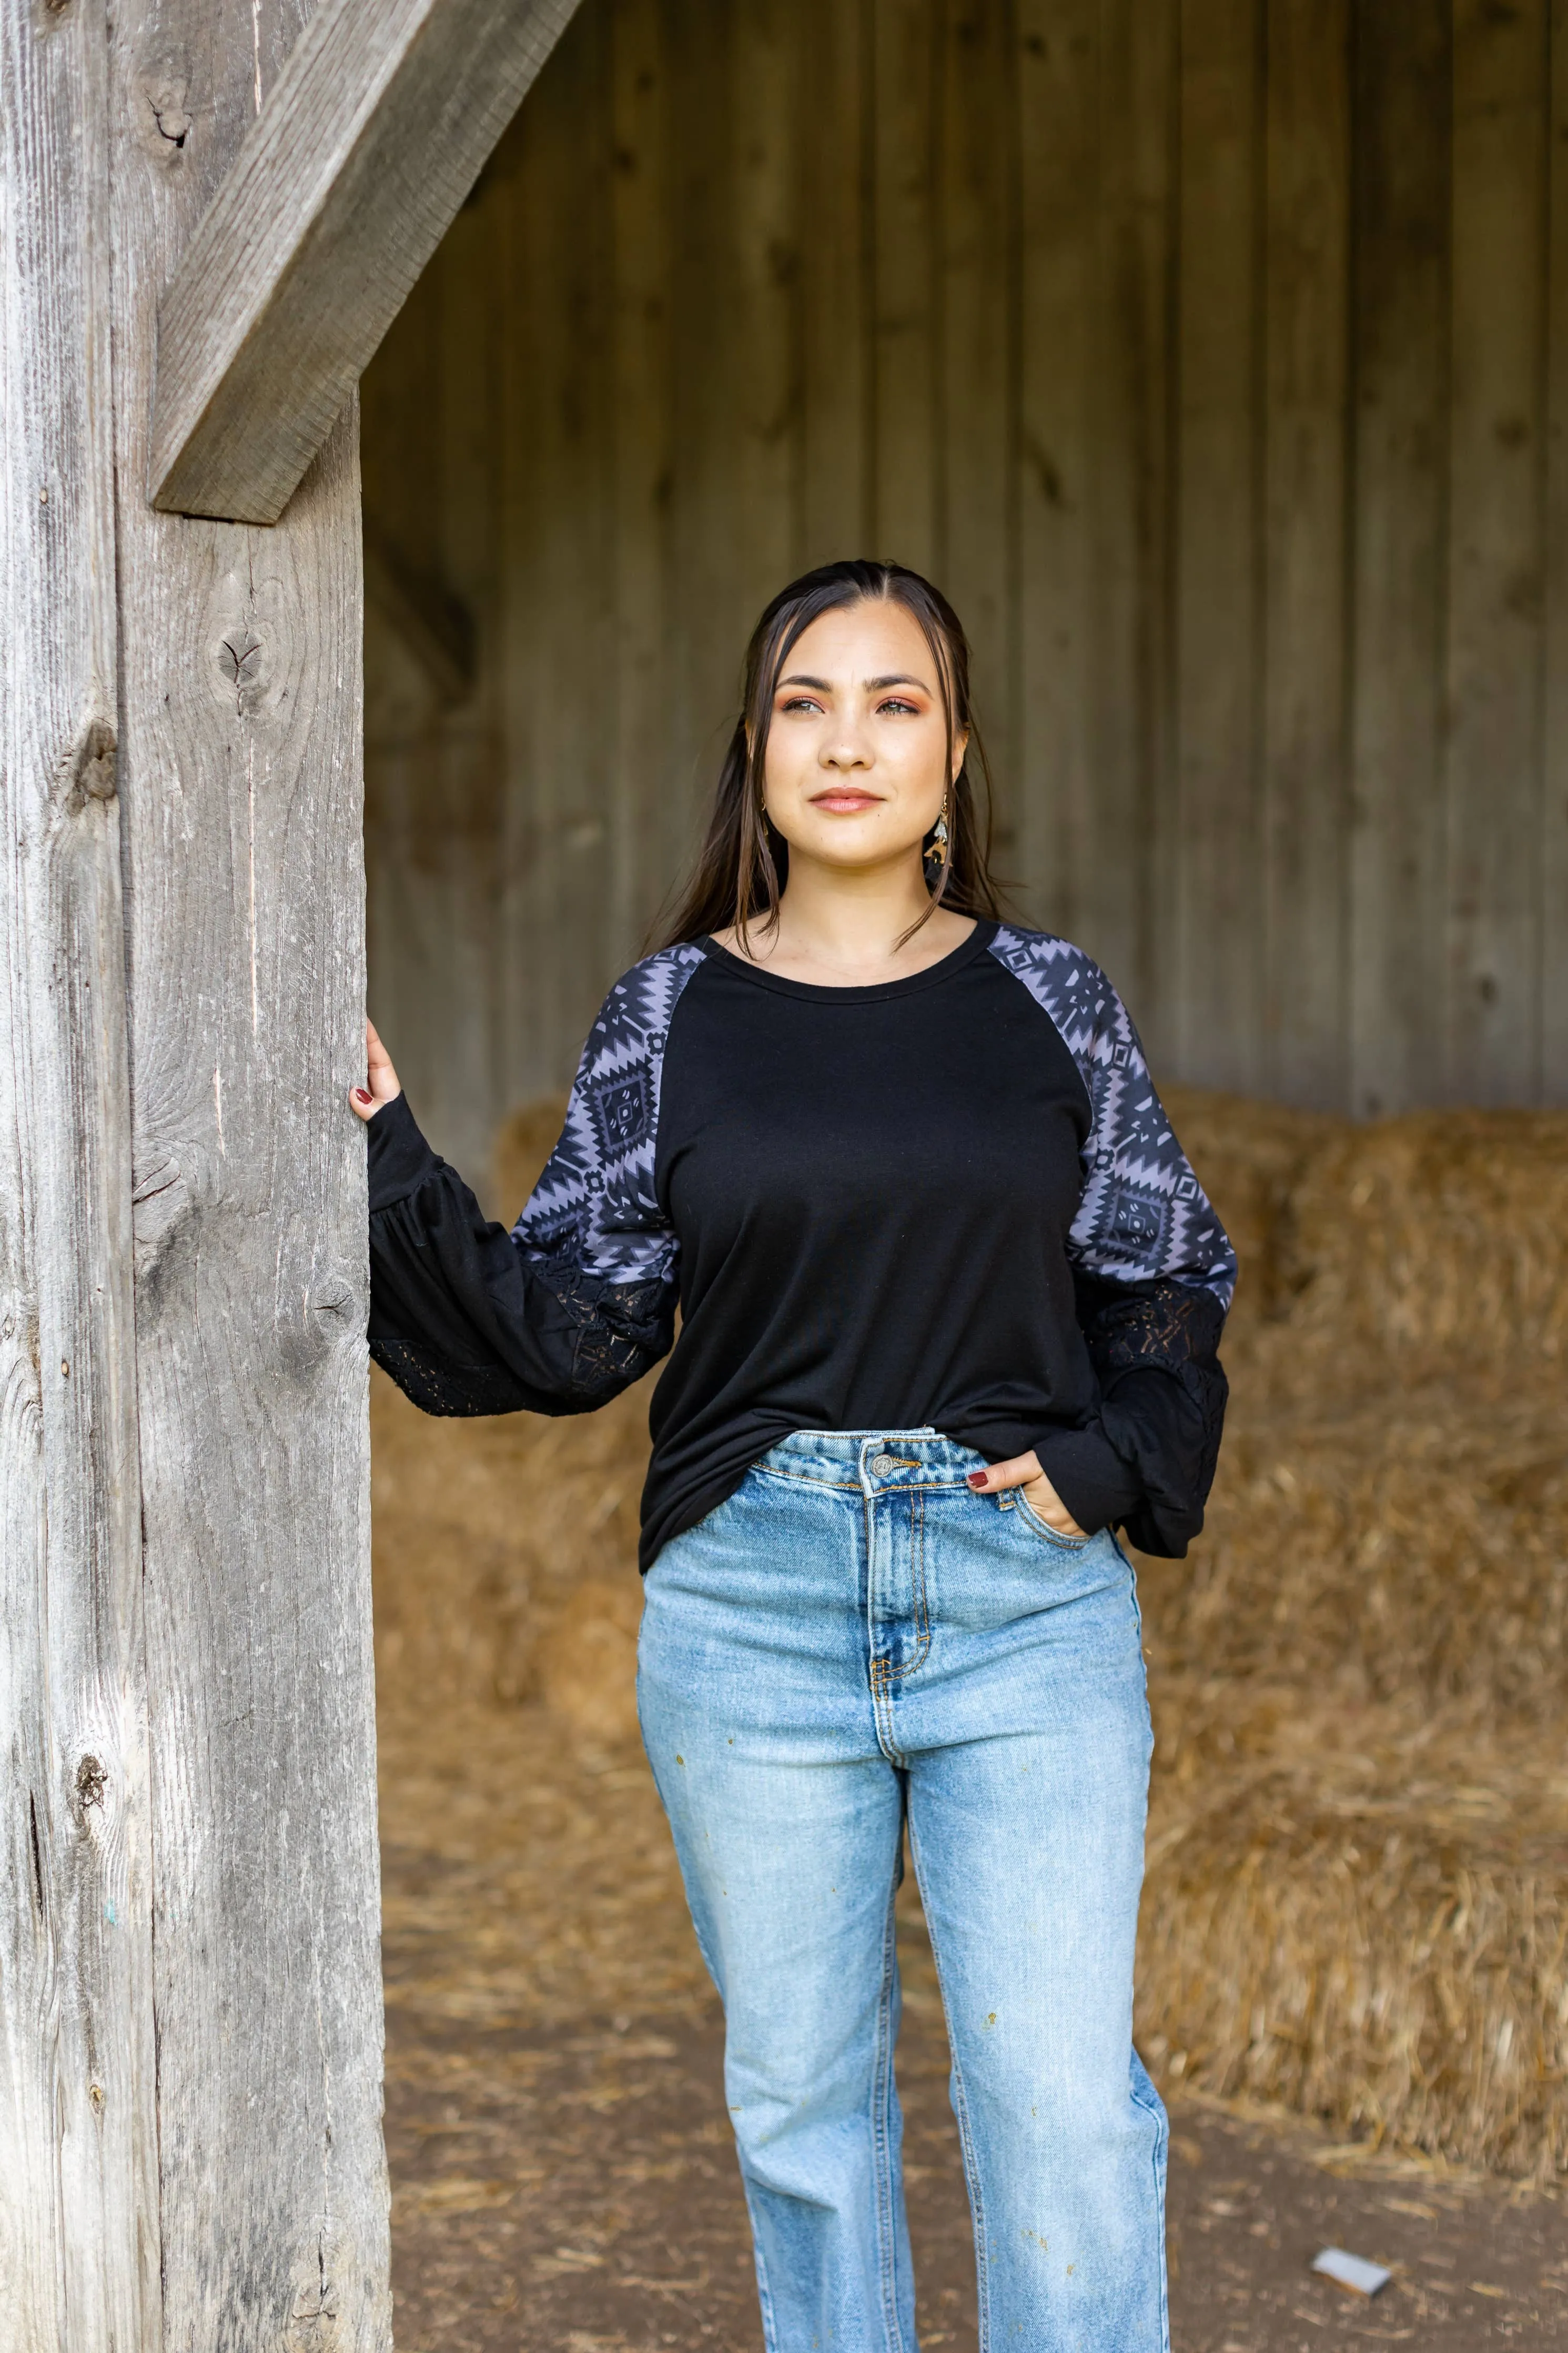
column 1209, row 352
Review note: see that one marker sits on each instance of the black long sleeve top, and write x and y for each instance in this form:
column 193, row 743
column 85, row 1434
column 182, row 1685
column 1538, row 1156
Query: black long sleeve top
column 953, row 1201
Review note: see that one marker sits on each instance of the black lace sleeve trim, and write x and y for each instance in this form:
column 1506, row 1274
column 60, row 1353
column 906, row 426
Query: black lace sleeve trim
column 1155, row 1349
column 449, row 1389
column 1168, row 1323
column 468, row 1320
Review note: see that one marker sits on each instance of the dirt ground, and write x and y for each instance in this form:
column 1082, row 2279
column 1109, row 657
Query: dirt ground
column 563, row 2180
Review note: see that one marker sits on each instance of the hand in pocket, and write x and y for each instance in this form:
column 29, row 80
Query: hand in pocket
column 1024, row 1472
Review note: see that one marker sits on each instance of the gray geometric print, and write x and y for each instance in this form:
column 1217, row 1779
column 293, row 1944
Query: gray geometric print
column 595, row 1205
column 1144, row 1214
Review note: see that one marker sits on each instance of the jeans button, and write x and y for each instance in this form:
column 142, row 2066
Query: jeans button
column 880, row 1464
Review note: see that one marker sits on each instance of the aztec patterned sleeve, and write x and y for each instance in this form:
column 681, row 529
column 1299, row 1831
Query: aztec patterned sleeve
column 578, row 1300
column 1152, row 1266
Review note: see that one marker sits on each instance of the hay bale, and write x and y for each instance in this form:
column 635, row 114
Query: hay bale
column 1420, row 1545
column 482, row 1532
column 1367, row 1923
column 1420, row 1246
column 1437, row 1241
column 1249, row 1158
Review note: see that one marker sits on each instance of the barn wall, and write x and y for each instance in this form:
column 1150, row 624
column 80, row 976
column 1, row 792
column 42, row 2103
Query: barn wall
column 1214, row 355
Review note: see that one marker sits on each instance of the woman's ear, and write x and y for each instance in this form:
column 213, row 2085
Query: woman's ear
column 960, row 748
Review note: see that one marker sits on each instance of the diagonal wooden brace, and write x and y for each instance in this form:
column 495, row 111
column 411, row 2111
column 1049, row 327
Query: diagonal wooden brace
column 370, row 140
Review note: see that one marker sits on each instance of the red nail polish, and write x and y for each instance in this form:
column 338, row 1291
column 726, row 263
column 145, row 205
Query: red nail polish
column 361, row 1094
column 978, row 1478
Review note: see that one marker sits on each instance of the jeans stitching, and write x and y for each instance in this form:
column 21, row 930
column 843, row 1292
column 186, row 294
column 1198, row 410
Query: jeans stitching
column 853, row 1486
column 883, row 1675
column 764, row 2293
column 880, row 1678
column 918, row 1580
column 883, row 2094
column 802, row 1479
column 924, row 1436
column 961, row 2115
column 1161, row 2137
column 1043, row 1528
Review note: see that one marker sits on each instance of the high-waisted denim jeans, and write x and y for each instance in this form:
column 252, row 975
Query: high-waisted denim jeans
column 853, row 1637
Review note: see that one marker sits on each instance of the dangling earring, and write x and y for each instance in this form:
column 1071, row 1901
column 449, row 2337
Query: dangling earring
column 937, row 848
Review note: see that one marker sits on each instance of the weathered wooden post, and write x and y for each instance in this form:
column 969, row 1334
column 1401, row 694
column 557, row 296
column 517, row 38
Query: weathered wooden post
column 240, row 726
column 190, row 2004
column 78, row 2265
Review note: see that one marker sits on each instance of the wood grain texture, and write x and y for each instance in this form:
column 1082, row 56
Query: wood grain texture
column 1497, row 430
column 910, row 509
column 834, row 482
column 78, row 2190
column 647, row 813
column 1306, row 229
column 759, row 376
column 1051, row 827
column 1554, row 774
column 240, row 773
column 1216, row 971
column 437, row 628
column 433, row 821
column 709, row 356
column 465, row 842
column 376, row 128
column 977, row 168
column 1135, row 122
column 1095, row 150
column 558, row 615
column 1398, row 555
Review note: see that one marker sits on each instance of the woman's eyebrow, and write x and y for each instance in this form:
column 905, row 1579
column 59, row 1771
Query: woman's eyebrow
column 873, row 685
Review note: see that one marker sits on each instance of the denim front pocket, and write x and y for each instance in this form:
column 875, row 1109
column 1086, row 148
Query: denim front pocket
column 1037, row 1526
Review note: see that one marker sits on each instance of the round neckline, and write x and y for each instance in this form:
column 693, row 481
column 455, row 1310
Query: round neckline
column 817, row 992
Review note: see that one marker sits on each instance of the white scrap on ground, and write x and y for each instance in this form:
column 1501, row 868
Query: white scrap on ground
column 1350, row 2270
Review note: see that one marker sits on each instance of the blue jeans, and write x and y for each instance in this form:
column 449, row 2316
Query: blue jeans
column 853, row 1639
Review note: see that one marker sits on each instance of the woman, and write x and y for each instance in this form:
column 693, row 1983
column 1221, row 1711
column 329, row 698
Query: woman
column 950, row 1300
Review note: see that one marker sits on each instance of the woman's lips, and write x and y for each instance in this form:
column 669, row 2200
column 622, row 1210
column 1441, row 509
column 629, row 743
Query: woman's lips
column 845, row 801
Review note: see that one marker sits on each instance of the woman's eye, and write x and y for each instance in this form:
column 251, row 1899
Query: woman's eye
column 899, row 707
column 800, row 702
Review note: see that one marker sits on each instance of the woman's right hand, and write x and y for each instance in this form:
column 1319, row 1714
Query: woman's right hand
column 381, row 1084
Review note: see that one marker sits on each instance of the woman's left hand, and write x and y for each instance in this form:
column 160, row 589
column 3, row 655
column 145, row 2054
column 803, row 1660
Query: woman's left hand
column 1023, row 1471
column 381, row 1085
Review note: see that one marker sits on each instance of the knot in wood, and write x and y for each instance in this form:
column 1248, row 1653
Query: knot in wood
column 239, row 658
column 160, row 1207
column 88, row 772
column 335, row 1296
column 91, row 1781
column 167, row 101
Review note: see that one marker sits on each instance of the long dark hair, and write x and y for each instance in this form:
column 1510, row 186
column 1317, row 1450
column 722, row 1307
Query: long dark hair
column 743, row 864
